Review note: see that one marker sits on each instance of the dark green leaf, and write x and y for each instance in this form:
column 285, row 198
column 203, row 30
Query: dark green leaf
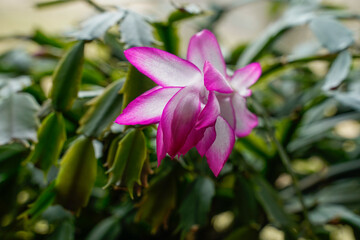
column 93, row 76
column 107, row 229
column 136, row 31
column 11, row 156
column 67, row 78
column 51, row 138
column 129, row 160
column 346, row 169
column 18, row 118
column 247, row 206
column 338, row 72
column 168, row 34
column 351, row 99
column 11, row 151
column 65, row 230
column 310, row 133
column 272, row 204
column 295, row 16
column 246, row 232
column 331, row 33
column 62, row 221
column 136, row 83
column 41, row 38
column 196, row 205
column 52, row 3
column 328, row 212
column 56, row 214
column 77, row 175
column 340, row 192
column 17, row 61
column 112, row 150
column 96, row 26
column 117, row 49
column 159, row 199
column 12, row 84
column 45, row 199
column 103, row 111
column 184, row 12
column 343, row 192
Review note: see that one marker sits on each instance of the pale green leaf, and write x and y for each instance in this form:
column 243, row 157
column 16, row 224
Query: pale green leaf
column 103, row 111
column 96, row 26
column 107, row 229
column 18, row 118
column 136, row 31
column 129, row 160
column 331, row 33
column 51, row 138
column 67, row 78
column 77, row 175
column 338, row 72
column 196, row 205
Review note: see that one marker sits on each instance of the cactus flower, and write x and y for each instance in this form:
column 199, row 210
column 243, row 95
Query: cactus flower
column 196, row 103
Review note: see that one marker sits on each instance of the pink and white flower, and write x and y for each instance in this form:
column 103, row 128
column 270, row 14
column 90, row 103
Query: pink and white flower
column 195, row 103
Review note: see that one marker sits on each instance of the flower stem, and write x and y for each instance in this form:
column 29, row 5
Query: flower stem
column 286, row 162
column 95, row 5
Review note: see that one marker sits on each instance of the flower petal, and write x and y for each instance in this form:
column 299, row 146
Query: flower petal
column 208, row 139
column 163, row 68
column 214, row 80
column 220, row 150
column 178, row 119
column 160, row 149
column 226, row 109
column 210, row 112
column 244, row 77
column 148, row 107
column 192, row 139
column 203, row 46
column 245, row 120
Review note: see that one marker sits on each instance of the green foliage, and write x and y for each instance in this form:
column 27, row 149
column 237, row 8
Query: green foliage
column 128, row 162
column 56, row 102
column 102, row 111
column 196, row 205
column 135, row 84
column 136, row 31
column 107, row 229
column 41, row 204
column 51, row 138
column 339, row 71
column 272, row 204
column 77, row 175
column 96, row 27
column 18, row 119
column 159, row 199
column 331, row 33
column 67, row 78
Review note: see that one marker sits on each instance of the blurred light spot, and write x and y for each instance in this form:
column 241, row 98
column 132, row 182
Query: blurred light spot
column 283, row 181
column 349, row 146
column 348, row 129
column 312, row 165
column 22, row 197
column 319, row 68
column 222, row 221
column 271, row 233
column 340, row 232
column 6, row 220
column 24, row 235
column 42, row 227
column 46, row 85
column 330, row 111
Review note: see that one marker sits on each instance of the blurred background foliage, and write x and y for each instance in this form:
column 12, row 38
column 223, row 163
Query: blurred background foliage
column 68, row 172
